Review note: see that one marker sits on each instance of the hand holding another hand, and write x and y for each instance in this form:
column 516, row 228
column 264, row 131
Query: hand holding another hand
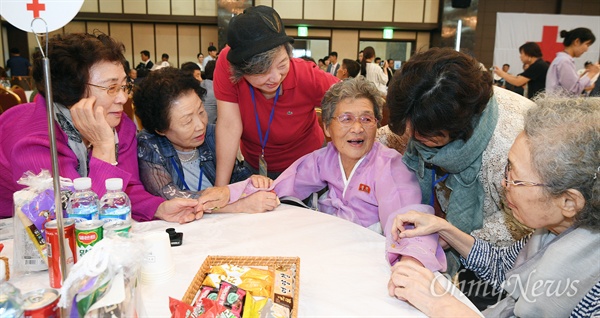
column 214, row 198
column 178, row 210
column 260, row 201
column 261, row 182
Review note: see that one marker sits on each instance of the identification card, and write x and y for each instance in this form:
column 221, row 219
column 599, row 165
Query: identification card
column 262, row 166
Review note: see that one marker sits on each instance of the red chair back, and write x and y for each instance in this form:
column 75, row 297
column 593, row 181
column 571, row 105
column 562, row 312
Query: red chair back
column 20, row 92
column 8, row 99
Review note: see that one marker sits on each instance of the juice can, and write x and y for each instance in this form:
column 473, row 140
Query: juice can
column 54, row 252
column 117, row 227
column 41, row 303
column 87, row 234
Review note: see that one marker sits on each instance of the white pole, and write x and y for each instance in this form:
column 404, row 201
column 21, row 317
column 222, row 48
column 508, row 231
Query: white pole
column 458, row 34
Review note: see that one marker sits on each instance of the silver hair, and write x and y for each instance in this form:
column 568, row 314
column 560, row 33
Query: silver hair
column 258, row 64
column 353, row 88
column 564, row 137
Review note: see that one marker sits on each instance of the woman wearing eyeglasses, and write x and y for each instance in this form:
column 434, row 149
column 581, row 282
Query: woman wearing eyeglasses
column 94, row 137
column 461, row 128
column 552, row 184
column 367, row 182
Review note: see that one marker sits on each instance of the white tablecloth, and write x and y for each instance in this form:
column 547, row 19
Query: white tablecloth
column 343, row 269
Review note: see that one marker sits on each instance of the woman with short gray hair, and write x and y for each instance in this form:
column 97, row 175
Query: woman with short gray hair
column 552, row 184
column 265, row 98
column 366, row 182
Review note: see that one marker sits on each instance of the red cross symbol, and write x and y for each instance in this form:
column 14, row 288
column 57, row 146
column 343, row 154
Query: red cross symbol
column 36, row 7
column 549, row 45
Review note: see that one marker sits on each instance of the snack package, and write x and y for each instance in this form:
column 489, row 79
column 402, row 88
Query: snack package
column 104, row 283
column 204, row 292
column 37, row 203
column 179, row 309
column 34, row 207
column 231, row 297
column 256, row 281
column 214, row 310
column 283, row 291
column 253, row 306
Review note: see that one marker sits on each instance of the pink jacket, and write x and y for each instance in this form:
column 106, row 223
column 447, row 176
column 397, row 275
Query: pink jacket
column 380, row 188
column 26, row 147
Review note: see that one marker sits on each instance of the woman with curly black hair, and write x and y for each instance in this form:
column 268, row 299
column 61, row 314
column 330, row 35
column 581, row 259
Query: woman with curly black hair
column 176, row 149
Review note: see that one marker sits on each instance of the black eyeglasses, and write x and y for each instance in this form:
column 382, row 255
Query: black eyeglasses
column 112, row 90
column 518, row 183
column 348, row 119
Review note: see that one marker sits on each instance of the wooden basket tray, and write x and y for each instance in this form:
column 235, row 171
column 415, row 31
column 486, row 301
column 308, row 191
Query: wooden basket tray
column 271, row 261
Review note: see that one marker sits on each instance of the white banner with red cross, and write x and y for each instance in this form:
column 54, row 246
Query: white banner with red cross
column 515, row 29
column 55, row 13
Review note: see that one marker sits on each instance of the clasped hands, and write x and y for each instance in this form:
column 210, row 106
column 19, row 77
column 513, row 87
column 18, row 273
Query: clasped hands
column 217, row 199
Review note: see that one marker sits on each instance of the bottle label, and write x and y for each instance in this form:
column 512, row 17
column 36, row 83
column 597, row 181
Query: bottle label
column 116, row 213
column 84, row 214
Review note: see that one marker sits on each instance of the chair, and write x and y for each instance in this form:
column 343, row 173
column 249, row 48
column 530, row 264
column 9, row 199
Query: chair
column 8, row 99
column 20, row 92
column 26, row 82
column 129, row 109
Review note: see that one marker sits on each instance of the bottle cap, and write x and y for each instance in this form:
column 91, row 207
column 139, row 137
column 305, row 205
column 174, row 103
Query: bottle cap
column 114, row 184
column 83, row 183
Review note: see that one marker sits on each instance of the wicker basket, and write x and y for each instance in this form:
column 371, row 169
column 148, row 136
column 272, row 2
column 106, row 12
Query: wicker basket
column 271, row 261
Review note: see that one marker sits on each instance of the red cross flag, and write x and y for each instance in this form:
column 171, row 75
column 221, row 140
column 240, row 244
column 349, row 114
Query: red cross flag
column 56, row 13
column 515, row 29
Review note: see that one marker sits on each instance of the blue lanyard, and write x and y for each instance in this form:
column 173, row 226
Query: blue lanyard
column 435, row 181
column 263, row 142
column 180, row 174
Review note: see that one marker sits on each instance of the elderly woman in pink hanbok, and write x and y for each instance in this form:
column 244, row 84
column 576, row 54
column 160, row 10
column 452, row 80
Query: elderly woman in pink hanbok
column 367, row 183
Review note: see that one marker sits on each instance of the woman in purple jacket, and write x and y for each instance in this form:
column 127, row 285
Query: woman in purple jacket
column 368, row 183
column 94, row 137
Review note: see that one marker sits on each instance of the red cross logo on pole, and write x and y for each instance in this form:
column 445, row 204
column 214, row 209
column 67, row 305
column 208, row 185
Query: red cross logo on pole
column 36, row 7
column 548, row 44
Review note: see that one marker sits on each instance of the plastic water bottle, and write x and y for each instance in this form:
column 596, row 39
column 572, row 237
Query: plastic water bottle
column 83, row 204
column 115, row 203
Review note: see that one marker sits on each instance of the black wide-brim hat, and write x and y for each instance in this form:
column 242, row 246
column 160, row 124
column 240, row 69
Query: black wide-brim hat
column 256, row 30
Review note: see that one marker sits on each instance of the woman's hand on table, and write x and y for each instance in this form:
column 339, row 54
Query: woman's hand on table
column 214, row 198
column 179, row 210
column 261, row 182
column 257, row 202
column 416, row 284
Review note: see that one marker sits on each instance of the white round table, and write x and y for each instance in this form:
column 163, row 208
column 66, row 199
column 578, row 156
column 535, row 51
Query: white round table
column 343, row 271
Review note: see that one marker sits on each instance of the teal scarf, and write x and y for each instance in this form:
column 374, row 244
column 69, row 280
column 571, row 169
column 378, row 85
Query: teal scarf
column 462, row 160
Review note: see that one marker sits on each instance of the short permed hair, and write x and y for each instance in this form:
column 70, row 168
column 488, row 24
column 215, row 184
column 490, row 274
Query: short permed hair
column 438, row 90
column 258, row 64
column 153, row 98
column 71, row 58
column 353, row 88
column 563, row 135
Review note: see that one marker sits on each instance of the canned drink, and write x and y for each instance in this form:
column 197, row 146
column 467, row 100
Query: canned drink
column 87, row 234
column 41, row 303
column 117, row 227
column 54, row 252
